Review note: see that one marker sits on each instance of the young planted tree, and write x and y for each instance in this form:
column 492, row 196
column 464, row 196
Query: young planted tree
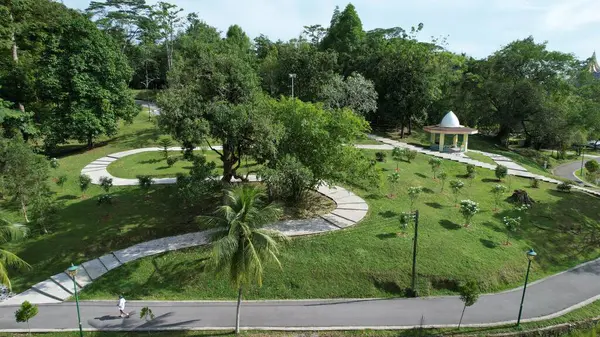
column 410, row 155
column 456, row 186
column 26, row 312
column 592, row 166
column 471, row 173
column 61, row 180
column 54, row 163
column 145, row 182
column 468, row 209
column 10, row 232
column 413, row 195
column 498, row 191
column 84, row 183
column 241, row 247
column 501, row 172
column 435, row 164
column 393, row 180
column 398, row 154
column 165, row 143
column 512, row 225
column 106, row 183
column 469, row 294
column 146, row 314
column 443, row 177
column 470, row 169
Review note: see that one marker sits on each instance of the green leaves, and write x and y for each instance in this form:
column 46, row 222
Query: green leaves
column 26, row 312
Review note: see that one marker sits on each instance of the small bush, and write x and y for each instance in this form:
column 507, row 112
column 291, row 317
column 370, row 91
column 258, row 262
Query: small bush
column 289, row 180
column 165, row 142
column 84, row 182
column 105, row 199
column 171, row 161
column 564, row 187
column 106, row 183
column 592, row 166
column 468, row 209
column 470, row 169
column 535, row 183
column 435, row 164
column 61, row 180
column 145, row 182
column 410, row 155
column 501, row 172
column 443, row 177
column 54, row 163
column 201, row 181
column 380, row 156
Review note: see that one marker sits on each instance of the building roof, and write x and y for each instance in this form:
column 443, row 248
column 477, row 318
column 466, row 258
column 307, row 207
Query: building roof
column 450, row 125
column 594, row 68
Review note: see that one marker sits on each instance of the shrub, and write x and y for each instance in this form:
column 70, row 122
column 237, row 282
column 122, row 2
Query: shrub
column 199, row 183
column 105, row 199
column 393, row 179
column 106, row 183
column 165, row 142
column 497, row 191
column 468, row 209
column 592, row 166
column 380, row 156
column 435, row 164
column 501, row 172
column 443, row 176
column 410, row 155
column 84, row 182
column 289, row 180
column 145, row 182
column 564, row 187
column 171, row 161
column 413, row 195
column 512, row 225
column 398, row 154
column 54, row 163
column 405, row 219
column 470, row 169
column 26, row 312
column 456, row 186
column 61, row 180
column 535, row 183
column 146, row 314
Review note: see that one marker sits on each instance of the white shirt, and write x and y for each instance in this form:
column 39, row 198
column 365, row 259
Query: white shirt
column 121, row 304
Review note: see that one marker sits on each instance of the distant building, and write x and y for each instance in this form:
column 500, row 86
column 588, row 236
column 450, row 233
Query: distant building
column 594, row 68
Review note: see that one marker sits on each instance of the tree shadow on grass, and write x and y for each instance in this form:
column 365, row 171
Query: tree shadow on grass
column 428, row 190
column 488, row 243
column 420, row 175
column 494, row 226
column 449, row 225
column 488, row 180
column 385, row 236
column 388, row 214
column 67, row 197
column 435, row 205
column 389, row 287
column 151, row 161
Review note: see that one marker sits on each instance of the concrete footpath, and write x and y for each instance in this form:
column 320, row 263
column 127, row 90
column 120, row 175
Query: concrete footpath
column 545, row 299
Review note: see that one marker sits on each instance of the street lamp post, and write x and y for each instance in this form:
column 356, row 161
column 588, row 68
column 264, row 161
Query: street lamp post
column 72, row 271
column 531, row 254
column 582, row 157
column 414, row 264
column 292, row 76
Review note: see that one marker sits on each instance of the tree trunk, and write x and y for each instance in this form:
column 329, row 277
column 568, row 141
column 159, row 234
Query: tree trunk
column 402, row 130
column 229, row 160
column 409, row 126
column 15, row 56
column 24, row 209
column 461, row 316
column 237, row 312
column 90, row 141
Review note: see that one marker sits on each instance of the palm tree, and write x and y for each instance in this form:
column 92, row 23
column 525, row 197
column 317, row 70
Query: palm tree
column 10, row 232
column 240, row 246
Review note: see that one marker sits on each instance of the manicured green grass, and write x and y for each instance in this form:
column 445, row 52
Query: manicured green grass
column 155, row 165
column 146, row 95
column 372, row 260
column 480, row 157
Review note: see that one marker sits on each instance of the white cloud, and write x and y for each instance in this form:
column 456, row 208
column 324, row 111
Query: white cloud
column 572, row 15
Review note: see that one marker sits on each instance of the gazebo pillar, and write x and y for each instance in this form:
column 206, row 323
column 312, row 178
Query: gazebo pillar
column 433, row 138
column 442, row 136
column 466, row 141
column 455, row 141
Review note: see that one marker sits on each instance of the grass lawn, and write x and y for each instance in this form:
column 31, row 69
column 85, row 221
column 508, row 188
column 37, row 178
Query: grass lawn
column 83, row 230
column 372, row 260
column 146, row 95
column 154, row 164
column 480, row 157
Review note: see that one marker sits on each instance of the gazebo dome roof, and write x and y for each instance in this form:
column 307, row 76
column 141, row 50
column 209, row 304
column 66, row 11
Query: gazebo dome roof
column 450, row 121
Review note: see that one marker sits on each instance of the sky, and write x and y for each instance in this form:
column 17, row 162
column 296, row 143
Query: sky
column 475, row 27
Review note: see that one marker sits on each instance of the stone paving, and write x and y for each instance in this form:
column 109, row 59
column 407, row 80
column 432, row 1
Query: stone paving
column 350, row 209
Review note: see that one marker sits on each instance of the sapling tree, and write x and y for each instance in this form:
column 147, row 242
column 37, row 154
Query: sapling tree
column 456, row 186
column 405, row 219
column 106, row 183
column 398, row 154
column 469, row 294
column 410, row 155
column 54, row 163
column 393, row 180
column 146, row 314
column 468, row 209
column 443, row 177
column 165, row 143
column 84, row 183
column 501, row 172
column 435, row 164
column 413, row 195
column 26, row 312
column 61, row 180
column 498, row 191
column 470, row 169
column 512, row 225
column 145, row 182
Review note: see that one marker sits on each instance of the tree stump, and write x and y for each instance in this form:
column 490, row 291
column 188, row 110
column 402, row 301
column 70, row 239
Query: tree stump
column 521, row 197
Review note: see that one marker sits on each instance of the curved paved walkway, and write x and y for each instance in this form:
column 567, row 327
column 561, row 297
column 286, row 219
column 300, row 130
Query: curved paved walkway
column 349, row 210
column 568, row 170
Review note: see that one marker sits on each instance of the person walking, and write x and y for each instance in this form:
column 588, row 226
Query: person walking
column 121, row 306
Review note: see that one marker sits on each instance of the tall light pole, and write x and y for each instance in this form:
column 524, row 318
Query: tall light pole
column 582, row 156
column 72, row 271
column 292, row 76
column 414, row 262
column 531, row 254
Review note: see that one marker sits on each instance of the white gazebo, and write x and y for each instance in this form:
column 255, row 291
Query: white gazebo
column 449, row 126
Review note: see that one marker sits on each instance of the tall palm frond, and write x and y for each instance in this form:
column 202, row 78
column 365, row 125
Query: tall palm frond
column 10, row 232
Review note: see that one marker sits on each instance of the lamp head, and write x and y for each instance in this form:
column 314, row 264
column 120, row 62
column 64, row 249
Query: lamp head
column 531, row 254
column 72, row 270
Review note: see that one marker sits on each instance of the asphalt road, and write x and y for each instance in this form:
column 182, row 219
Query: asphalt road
column 551, row 296
column 566, row 170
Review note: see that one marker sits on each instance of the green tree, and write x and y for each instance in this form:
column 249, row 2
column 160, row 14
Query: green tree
column 456, row 186
column 468, row 209
column 10, row 232
column 106, row 183
column 512, row 225
column 398, row 154
column 393, row 179
column 443, row 177
column 61, row 180
column 146, row 314
column 26, row 312
column 145, row 182
column 592, row 166
column 167, row 17
column 24, row 173
column 354, row 92
column 500, row 172
column 413, row 195
column 345, row 34
column 288, row 179
column 240, row 246
column 165, row 143
column 84, row 183
column 435, row 164
column 498, row 191
column 469, row 294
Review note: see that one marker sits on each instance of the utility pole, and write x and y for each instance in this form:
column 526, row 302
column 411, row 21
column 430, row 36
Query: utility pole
column 292, row 76
column 414, row 264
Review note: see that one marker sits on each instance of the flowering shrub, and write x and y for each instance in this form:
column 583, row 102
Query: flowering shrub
column 435, row 164
column 456, row 186
column 497, row 191
column 512, row 225
column 413, row 194
column 468, row 209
